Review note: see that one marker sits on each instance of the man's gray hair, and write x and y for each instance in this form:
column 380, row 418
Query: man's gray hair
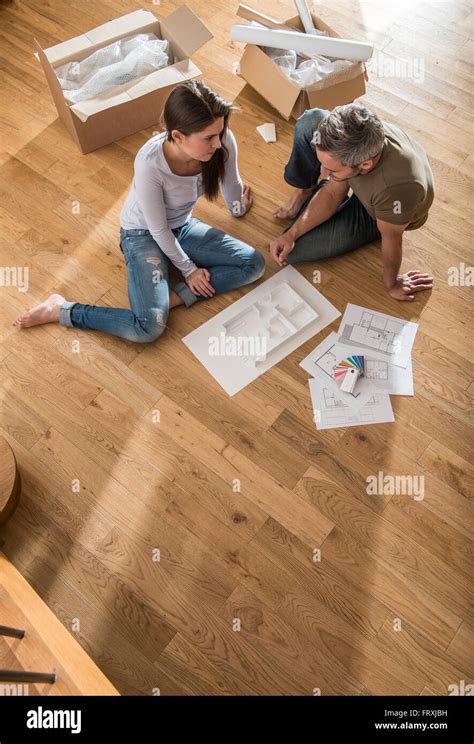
column 351, row 134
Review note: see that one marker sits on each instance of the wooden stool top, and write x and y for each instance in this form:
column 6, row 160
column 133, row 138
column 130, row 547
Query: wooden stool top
column 9, row 481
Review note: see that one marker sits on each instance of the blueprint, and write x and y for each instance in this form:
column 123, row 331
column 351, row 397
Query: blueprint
column 330, row 412
column 389, row 339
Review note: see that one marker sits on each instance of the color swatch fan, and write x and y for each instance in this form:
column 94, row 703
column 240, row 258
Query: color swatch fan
column 348, row 371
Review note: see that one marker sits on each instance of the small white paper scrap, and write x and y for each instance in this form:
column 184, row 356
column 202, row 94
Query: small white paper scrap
column 267, row 131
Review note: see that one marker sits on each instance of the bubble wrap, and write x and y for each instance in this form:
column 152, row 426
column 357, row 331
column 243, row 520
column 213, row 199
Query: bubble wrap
column 305, row 72
column 115, row 64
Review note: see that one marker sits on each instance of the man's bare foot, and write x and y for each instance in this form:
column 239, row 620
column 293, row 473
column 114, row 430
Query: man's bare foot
column 290, row 209
column 45, row 312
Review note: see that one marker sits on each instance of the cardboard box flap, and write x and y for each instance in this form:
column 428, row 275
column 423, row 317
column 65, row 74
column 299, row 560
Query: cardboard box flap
column 245, row 11
column 56, row 91
column 140, row 21
column 345, row 91
column 257, row 66
column 185, row 31
column 65, row 49
column 171, row 75
column 84, row 109
column 131, row 23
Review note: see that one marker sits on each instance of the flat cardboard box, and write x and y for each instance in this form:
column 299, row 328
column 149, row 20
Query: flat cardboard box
column 286, row 96
column 137, row 105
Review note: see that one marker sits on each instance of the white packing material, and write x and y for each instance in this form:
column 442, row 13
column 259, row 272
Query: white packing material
column 306, row 72
column 121, row 62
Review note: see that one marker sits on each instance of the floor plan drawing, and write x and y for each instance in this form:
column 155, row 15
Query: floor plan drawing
column 327, row 361
column 322, row 360
column 388, row 338
column 276, row 317
column 338, row 413
column 377, row 332
column 376, row 369
column 331, row 413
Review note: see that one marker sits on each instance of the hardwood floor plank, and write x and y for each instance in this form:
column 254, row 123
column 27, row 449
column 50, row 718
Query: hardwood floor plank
column 417, row 605
column 385, row 540
column 427, row 664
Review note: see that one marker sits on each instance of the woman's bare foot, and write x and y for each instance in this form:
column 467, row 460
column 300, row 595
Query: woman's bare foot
column 45, row 312
column 175, row 299
column 291, row 208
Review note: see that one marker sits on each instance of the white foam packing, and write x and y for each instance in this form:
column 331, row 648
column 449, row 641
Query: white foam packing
column 121, row 62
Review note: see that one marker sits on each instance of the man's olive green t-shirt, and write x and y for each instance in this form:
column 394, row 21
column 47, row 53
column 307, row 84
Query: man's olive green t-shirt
column 400, row 188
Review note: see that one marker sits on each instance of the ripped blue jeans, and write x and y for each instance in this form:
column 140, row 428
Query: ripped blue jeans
column 231, row 263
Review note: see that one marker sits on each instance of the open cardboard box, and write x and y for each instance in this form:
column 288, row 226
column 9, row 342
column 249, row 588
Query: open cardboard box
column 137, row 105
column 286, row 96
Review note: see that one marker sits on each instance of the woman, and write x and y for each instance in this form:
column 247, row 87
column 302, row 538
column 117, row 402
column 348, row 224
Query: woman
column 196, row 154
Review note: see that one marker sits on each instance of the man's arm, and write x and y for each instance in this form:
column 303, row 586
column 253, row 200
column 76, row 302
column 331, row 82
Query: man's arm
column 399, row 286
column 392, row 238
column 321, row 207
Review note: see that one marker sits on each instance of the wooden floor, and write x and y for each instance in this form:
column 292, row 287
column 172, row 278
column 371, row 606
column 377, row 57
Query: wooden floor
column 387, row 609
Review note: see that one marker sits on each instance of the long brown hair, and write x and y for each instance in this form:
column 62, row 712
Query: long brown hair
column 192, row 107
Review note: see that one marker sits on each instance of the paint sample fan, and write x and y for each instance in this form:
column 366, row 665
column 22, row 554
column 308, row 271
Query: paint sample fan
column 348, row 371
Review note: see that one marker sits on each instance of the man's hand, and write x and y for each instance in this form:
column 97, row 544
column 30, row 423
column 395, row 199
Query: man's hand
column 407, row 284
column 281, row 247
column 198, row 282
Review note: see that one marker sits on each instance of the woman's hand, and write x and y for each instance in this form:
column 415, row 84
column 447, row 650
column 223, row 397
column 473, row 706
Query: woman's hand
column 247, row 199
column 198, row 282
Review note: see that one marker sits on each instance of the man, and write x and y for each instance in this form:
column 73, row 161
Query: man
column 391, row 181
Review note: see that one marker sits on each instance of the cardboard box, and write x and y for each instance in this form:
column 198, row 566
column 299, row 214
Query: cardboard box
column 286, row 96
column 134, row 106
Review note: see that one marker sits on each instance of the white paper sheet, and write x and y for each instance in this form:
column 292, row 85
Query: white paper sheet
column 388, row 338
column 267, row 131
column 320, row 364
column 331, row 413
column 246, row 339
